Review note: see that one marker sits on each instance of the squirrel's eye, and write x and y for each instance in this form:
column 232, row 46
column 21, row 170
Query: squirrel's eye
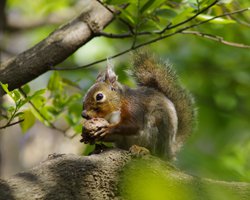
column 99, row 97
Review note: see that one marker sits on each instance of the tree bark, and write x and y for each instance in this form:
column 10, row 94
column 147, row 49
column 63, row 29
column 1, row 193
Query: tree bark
column 114, row 174
column 56, row 47
column 2, row 16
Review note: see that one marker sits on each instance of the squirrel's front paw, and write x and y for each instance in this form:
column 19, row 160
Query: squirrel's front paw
column 94, row 129
column 138, row 151
column 86, row 136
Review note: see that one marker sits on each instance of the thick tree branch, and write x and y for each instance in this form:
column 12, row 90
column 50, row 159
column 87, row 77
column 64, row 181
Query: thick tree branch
column 114, row 174
column 2, row 15
column 158, row 38
column 56, row 47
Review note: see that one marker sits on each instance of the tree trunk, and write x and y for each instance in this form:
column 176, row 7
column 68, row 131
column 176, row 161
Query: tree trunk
column 114, row 174
column 56, row 47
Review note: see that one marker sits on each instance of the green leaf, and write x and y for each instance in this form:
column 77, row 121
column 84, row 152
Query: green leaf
column 146, row 5
column 16, row 95
column 69, row 120
column 53, row 110
column 19, row 114
column 78, row 128
column 220, row 20
column 152, row 5
column 73, row 98
column 166, row 13
column 75, row 108
column 88, row 149
column 39, row 101
column 183, row 15
column 54, row 82
column 70, row 83
column 38, row 93
column 38, row 116
column 26, row 88
column 11, row 109
column 129, row 17
column 225, row 1
column 29, row 120
column 21, row 102
column 28, row 98
column 116, row 2
column 47, row 114
column 5, row 88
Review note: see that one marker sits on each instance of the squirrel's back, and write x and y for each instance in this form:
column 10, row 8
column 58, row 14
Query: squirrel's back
column 152, row 72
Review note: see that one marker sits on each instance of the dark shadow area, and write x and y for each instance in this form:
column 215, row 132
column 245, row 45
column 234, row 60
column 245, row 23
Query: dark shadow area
column 68, row 177
column 27, row 176
column 5, row 191
column 71, row 176
column 84, row 178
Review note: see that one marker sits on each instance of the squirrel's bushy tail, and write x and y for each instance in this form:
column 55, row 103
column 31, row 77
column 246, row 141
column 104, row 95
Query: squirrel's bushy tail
column 151, row 72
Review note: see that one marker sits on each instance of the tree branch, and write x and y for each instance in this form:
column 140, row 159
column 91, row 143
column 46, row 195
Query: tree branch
column 168, row 27
column 11, row 124
column 2, row 15
column 114, row 174
column 216, row 38
column 161, row 37
column 189, row 19
column 50, row 124
column 56, row 47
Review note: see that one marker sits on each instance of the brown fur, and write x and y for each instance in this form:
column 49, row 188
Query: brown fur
column 165, row 80
column 158, row 115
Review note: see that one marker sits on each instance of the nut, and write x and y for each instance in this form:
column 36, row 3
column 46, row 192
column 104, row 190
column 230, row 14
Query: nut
column 94, row 124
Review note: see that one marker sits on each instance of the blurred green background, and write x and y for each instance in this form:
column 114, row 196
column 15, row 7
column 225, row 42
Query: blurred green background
column 216, row 74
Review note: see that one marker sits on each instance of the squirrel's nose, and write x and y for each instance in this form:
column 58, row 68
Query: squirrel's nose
column 85, row 115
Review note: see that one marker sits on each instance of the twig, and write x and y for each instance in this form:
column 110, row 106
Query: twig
column 222, row 15
column 51, row 125
column 117, row 16
column 93, row 63
column 168, row 27
column 188, row 27
column 68, row 39
column 216, row 38
column 112, row 35
column 189, row 19
column 11, row 117
column 136, row 25
column 242, row 22
column 151, row 41
column 11, row 124
column 128, row 35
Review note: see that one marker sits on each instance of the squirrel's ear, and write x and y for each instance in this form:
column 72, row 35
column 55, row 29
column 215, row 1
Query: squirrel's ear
column 109, row 75
column 100, row 77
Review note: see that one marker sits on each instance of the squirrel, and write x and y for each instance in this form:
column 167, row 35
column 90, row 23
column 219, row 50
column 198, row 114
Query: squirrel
column 158, row 115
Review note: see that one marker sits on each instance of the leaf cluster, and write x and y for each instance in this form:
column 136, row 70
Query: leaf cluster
column 46, row 105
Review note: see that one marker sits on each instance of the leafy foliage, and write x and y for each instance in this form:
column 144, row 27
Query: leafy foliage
column 46, row 105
